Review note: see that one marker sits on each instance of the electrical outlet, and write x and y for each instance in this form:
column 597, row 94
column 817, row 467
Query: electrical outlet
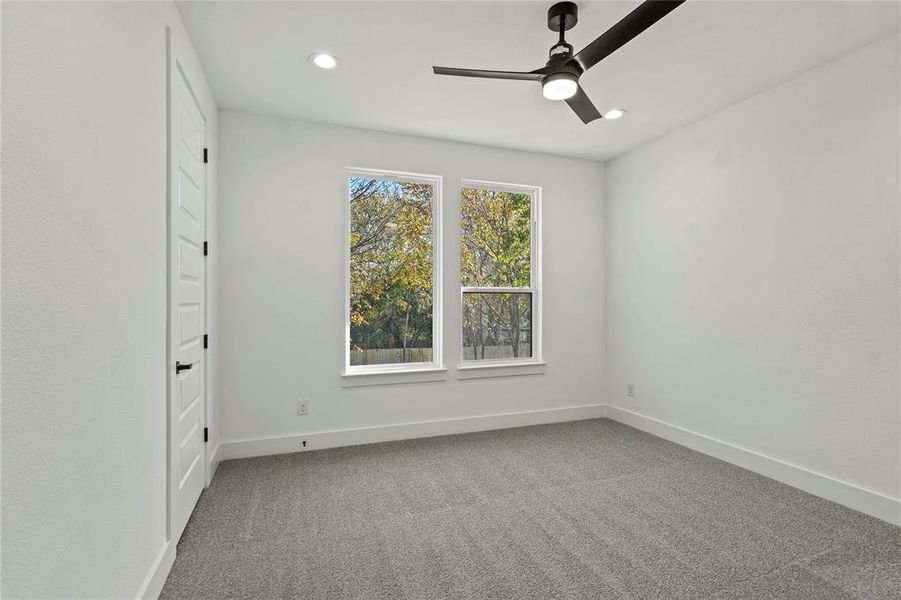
column 630, row 390
column 303, row 408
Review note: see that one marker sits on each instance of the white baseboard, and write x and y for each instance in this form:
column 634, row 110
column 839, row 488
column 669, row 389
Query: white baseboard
column 404, row 431
column 841, row 492
column 156, row 577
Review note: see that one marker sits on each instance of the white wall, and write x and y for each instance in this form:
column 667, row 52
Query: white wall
column 752, row 275
column 83, row 297
column 282, row 201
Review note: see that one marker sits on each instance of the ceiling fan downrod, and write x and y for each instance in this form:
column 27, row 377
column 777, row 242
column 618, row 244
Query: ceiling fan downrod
column 562, row 17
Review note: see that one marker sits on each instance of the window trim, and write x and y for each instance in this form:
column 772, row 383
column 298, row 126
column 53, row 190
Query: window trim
column 437, row 362
column 537, row 357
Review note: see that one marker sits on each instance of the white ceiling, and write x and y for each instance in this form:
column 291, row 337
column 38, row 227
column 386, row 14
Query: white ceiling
column 701, row 58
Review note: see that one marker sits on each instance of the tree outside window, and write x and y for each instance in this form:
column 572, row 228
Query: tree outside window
column 497, row 273
column 391, row 271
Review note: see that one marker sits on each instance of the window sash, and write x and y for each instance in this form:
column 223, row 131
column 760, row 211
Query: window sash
column 436, row 182
column 534, row 276
column 507, row 360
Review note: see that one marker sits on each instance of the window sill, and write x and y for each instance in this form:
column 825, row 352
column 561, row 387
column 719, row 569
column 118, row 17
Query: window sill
column 393, row 376
column 501, row 369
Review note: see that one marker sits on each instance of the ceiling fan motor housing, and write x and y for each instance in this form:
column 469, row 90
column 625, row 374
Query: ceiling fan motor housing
column 569, row 67
column 560, row 50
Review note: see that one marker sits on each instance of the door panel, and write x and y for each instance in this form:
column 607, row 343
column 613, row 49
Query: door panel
column 189, row 197
column 190, row 324
column 190, row 260
column 189, row 389
column 187, row 287
column 189, row 457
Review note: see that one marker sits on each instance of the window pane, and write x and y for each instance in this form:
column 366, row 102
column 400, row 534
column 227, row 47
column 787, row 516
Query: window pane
column 497, row 325
column 390, row 271
column 497, row 242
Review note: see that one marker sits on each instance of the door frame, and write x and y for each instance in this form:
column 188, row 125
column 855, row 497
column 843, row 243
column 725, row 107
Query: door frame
column 180, row 55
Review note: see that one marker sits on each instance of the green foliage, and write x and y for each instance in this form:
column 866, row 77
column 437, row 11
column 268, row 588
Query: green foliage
column 496, row 245
column 391, row 264
column 496, row 252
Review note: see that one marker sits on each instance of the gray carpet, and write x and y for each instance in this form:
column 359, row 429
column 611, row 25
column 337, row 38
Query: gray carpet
column 591, row 509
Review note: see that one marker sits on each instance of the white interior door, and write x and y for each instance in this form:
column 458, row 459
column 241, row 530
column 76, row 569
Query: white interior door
column 187, row 296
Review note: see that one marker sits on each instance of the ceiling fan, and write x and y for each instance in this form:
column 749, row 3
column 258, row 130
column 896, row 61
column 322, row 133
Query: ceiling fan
column 559, row 78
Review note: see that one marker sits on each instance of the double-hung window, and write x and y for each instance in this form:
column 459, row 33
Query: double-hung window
column 501, row 273
column 393, row 310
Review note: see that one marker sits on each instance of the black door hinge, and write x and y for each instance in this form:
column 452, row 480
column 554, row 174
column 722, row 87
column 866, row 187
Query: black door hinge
column 206, row 341
column 206, row 434
column 206, row 248
column 206, row 156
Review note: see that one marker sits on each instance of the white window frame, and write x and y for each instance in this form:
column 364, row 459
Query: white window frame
column 436, row 364
column 534, row 277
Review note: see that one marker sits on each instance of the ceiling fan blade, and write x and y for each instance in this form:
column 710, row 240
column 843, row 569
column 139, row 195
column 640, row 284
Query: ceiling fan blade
column 583, row 107
column 620, row 34
column 545, row 70
column 517, row 75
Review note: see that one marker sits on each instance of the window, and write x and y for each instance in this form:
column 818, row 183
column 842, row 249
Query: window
column 393, row 317
column 500, row 273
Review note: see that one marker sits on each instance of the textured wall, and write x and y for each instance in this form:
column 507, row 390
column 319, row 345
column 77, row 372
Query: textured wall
column 753, row 262
column 84, row 296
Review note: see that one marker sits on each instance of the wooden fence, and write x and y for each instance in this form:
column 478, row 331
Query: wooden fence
column 495, row 352
column 390, row 356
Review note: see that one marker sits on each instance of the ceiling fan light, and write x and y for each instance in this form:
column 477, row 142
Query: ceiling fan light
column 560, row 86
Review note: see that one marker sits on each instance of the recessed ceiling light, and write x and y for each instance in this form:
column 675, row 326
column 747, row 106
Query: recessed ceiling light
column 324, row 60
column 614, row 113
